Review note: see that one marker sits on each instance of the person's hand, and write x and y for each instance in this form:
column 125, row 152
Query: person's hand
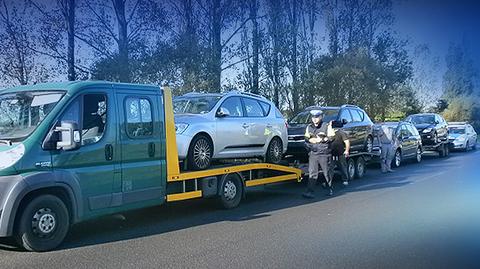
column 346, row 153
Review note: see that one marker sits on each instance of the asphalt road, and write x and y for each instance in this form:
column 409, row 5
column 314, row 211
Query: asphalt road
column 423, row 216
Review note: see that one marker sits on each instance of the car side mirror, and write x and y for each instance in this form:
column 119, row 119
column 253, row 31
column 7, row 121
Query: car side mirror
column 344, row 121
column 222, row 113
column 437, row 122
column 69, row 136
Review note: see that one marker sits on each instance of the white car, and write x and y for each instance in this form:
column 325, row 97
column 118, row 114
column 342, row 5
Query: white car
column 225, row 126
column 462, row 136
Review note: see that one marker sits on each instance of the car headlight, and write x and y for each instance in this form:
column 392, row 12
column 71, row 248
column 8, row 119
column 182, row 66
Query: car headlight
column 180, row 127
column 427, row 130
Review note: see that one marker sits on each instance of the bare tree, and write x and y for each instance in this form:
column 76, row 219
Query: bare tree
column 129, row 24
column 17, row 61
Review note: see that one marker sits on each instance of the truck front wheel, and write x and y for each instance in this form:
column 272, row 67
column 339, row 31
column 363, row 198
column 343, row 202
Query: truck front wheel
column 43, row 224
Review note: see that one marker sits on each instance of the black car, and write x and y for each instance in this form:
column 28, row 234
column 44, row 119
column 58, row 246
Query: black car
column 432, row 127
column 351, row 119
column 409, row 145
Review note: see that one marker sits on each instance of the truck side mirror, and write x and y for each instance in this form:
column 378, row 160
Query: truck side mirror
column 69, row 136
column 222, row 113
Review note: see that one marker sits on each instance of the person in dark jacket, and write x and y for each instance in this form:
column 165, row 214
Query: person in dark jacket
column 340, row 152
column 318, row 145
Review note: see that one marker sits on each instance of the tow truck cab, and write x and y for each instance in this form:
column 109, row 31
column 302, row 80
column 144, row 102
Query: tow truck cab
column 98, row 147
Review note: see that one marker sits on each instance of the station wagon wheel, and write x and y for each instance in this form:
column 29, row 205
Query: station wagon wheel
column 274, row 151
column 419, row 155
column 230, row 191
column 44, row 223
column 397, row 161
column 200, row 153
column 351, row 168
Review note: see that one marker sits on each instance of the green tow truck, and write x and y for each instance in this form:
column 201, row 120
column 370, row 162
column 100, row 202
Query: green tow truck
column 79, row 150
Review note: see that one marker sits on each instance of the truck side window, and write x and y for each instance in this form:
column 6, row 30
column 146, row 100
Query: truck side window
column 139, row 117
column 94, row 118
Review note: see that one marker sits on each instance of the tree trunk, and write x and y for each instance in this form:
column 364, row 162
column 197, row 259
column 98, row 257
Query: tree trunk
column 255, row 46
column 123, row 61
column 216, row 37
column 70, row 22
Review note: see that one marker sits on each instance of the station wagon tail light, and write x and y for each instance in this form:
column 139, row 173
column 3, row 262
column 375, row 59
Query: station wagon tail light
column 180, row 127
column 11, row 156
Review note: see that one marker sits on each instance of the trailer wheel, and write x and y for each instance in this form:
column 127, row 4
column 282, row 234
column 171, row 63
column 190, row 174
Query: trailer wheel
column 360, row 167
column 43, row 224
column 230, row 191
column 351, row 168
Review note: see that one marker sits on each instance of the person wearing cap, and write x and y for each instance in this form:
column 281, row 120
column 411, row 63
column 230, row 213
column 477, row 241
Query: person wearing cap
column 318, row 144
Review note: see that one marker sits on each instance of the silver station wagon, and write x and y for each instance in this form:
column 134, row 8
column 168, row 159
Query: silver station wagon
column 227, row 126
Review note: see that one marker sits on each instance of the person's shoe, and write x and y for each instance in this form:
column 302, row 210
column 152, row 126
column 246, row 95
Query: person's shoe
column 308, row 195
column 330, row 192
column 324, row 185
column 390, row 171
column 345, row 183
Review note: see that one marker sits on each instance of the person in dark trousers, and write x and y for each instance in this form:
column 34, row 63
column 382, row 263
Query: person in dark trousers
column 317, row 143
column 340, row 152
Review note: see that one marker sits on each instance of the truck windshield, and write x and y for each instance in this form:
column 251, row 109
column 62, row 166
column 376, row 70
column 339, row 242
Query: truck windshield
column 305, row 117
column 194, row 105
column 425, row 119
column 22, row 112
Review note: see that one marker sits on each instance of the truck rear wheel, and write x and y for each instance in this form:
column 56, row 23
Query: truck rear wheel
column 360, row 167
column 44, row 223
column 351, row 168
column 230, row 191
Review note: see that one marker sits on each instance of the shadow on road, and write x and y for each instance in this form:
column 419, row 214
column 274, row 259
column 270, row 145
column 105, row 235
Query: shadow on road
column 260, row 201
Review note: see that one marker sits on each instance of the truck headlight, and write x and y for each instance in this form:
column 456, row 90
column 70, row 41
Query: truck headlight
column 427, row 130
column 180, row 127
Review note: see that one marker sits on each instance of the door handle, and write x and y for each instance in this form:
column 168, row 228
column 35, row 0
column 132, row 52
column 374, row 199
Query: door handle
column 108, row 152
column 151, row 149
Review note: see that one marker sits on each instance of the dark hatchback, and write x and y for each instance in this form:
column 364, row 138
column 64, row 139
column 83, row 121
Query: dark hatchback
column 432, row 127
column 351, row 119
column 409, row 144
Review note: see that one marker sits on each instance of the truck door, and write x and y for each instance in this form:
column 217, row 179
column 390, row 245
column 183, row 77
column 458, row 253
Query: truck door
column 95, row 165
column 142, row 144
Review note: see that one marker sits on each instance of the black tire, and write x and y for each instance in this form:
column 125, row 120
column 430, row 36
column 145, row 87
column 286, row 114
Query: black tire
column 274, row 152
column 200, row 153
column 397, row 159
column 360, row 167
column 441, row 151
column 368, row 147
column 351, row 168
column 467, row 146
column 447, row 150
column 474, row 147
column 43, row 224
column 230, row 191
column 418, row 157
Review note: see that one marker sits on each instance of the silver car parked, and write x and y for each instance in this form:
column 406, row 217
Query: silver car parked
column 225, row 126
column 462, row 136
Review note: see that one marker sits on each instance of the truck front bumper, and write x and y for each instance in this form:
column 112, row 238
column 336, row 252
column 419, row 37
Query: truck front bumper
column 11, row 188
